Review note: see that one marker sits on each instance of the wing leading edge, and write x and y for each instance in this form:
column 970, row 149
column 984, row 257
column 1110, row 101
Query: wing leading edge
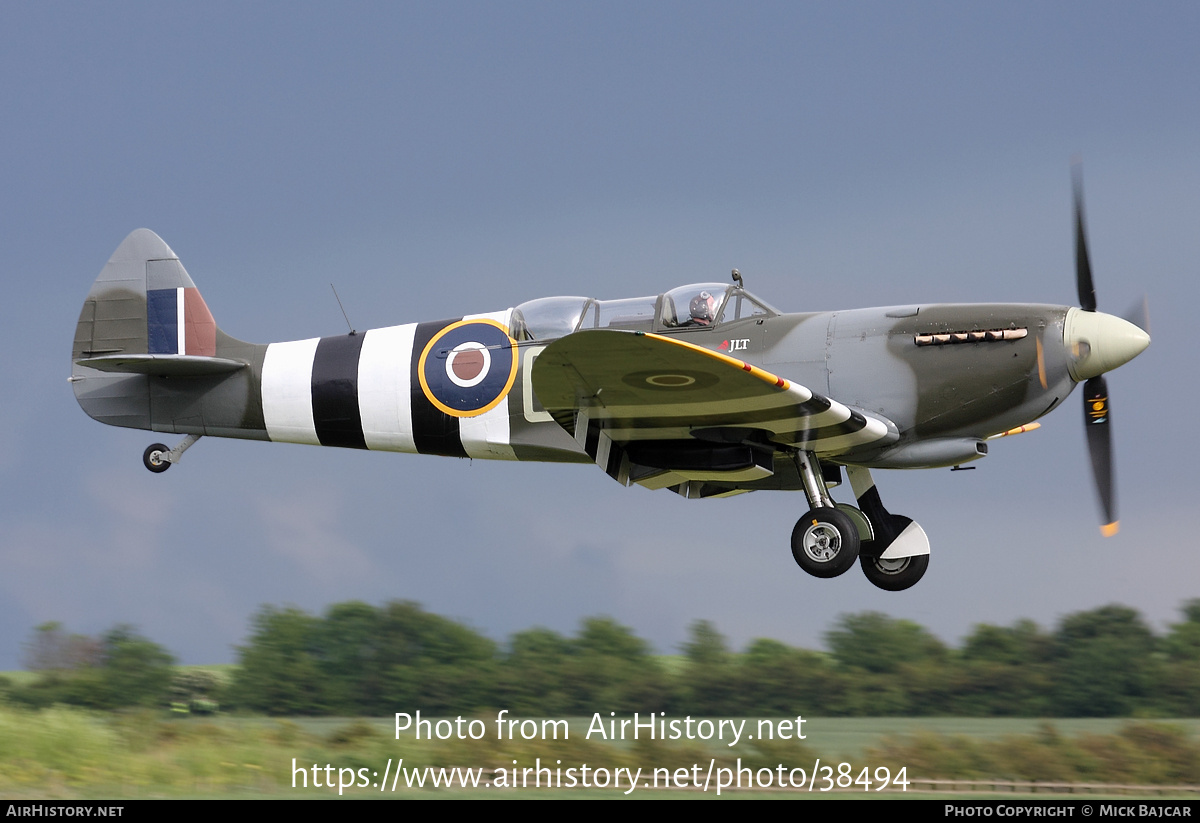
column 659, row 411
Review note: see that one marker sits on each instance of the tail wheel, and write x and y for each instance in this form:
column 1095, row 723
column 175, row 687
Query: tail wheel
column 895, row 575
column 825, row 542
column 155, row 458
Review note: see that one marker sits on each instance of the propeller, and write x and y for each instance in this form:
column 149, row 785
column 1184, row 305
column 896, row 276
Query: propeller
column 1096, row 412
column 1099, row 440
column 1139, row 314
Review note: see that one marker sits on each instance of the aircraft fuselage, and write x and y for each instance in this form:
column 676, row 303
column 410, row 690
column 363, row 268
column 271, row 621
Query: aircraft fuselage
column 952, row 373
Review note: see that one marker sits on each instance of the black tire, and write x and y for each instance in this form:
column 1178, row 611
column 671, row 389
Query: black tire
column 825, row 542
column 895, row 575
column 154, row 458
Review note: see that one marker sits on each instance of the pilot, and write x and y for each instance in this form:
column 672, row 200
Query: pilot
column 702, row 309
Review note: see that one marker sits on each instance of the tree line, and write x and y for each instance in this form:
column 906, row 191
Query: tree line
column 360, row 659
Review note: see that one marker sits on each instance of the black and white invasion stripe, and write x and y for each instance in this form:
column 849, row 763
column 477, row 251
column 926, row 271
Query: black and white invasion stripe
column 363, row 391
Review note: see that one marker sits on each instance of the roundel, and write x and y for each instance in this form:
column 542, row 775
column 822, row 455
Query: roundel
column 468, row 367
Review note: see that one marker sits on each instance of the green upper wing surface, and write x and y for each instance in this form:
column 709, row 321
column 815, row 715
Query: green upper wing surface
column 637, row 386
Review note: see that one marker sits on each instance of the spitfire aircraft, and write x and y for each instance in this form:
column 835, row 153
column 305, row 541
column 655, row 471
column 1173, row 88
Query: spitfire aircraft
column 705, row 390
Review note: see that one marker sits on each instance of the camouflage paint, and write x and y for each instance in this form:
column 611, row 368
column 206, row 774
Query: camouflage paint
column 903, row 386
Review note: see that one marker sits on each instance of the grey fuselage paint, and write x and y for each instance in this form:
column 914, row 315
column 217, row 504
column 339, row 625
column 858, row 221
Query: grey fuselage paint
column 864, row 358
column 940, row 376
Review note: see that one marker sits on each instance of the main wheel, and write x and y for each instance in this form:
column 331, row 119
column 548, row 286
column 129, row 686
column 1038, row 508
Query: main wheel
column 825, row 542
column 895, row 575
column 155, row 458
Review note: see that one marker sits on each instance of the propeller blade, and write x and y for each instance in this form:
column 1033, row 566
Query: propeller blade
column 1083, row 265
column 1139, row 314
column 1096, row 418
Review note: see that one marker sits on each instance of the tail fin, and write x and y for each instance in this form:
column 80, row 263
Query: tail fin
column 144, row 316
column 144, row 302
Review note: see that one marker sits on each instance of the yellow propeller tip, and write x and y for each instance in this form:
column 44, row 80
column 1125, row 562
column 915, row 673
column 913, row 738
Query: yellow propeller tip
column 1110, row 529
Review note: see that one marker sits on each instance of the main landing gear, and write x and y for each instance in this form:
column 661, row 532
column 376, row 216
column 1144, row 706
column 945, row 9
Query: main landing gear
column 894, row 575
column 892, row 550
column 825, row 542
column 158, row 458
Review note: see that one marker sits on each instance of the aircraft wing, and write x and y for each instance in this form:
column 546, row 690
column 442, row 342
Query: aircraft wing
column 669, row 406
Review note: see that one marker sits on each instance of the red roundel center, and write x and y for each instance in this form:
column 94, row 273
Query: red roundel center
column 467, row 364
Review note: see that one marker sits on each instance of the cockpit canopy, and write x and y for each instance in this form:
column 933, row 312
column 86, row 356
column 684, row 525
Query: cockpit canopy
column 699, row 305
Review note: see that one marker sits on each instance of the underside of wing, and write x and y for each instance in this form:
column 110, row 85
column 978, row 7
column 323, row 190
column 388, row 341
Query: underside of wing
column 659, row 411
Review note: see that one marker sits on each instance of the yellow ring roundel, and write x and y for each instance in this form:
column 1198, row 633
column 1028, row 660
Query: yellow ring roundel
column 468, row 367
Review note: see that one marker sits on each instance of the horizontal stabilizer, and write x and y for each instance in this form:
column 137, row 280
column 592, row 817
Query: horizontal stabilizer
column 161, row 365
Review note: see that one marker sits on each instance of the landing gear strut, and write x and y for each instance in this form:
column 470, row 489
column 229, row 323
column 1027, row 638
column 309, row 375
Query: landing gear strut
column 898, row 555
column 825, row 541
column 892, row 550
column 158, row 458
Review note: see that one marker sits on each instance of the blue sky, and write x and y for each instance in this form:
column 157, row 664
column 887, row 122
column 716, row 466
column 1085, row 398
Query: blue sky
column 438, row 159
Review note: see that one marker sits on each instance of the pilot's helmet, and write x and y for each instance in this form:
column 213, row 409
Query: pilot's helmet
column 703, row 306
